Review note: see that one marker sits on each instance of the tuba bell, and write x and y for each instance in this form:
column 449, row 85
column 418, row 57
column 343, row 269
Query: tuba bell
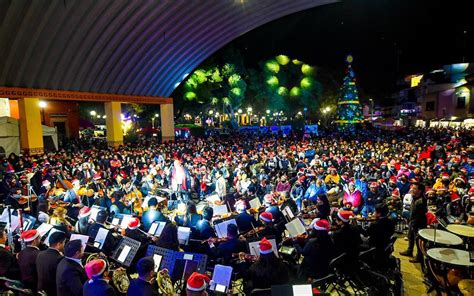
column 165, row 286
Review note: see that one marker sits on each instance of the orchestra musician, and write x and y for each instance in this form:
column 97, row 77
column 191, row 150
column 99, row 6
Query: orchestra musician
column 380, row 231
column 70, row 275
column 8, row 264
column 231, row 245
column 97, row 283
column 245, row 221
column 269, row 228
column 27, row 258
column 47, row 263
column 134, row 232
column 110, row 241
column 153, row 214
column 204, row 226
column 59, row 221
column 169, row 238
column 267, row 271
column 143, row 285
column 82, row 224
column 190, row 218
column 347, row 238
column 197, row 284
column 318, row 252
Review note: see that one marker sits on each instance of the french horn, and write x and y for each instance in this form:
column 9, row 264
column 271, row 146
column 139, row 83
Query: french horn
column 165, row 286
column 119, row 275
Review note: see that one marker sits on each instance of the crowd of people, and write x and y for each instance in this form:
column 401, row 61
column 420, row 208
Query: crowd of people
column 416, row 176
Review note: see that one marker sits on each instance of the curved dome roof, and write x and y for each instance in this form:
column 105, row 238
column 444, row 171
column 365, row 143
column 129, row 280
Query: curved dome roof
column 120, row 46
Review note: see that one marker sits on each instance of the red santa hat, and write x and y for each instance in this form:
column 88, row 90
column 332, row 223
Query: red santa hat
column 240, row 205
column 265, row 246
column 10, row 169
column 84, row 212
column 455, row 197
column 471, row 191
column 95, row 268
column 134, row 223
column 97, row 176
column 461, row 178
column 46, row 183
column 29, row 235
column 445, row 176
column 345, row 215
column 430, row 190
column 266, row 217
column 396, row 193
column 393, row 179
column 321, row 224
column 373, row 184
column 197, row 282
column 23, row 178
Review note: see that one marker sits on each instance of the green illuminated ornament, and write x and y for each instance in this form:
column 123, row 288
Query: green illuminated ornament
column 272, row 66
column 307, row 70
column 272, row 81
column 295, row 91
column 306, row 83
column 282, row 59
column 282, row 91
column 190, row 95
column 297, row 62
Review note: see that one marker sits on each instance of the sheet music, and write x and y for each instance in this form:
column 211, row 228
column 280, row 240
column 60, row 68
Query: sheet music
column 161, row 226
column 288, row 213
column 101, row 236
column 84, row 239
column 125, row 220
column 44, row 228
column 115, row 221
column 221, row 276
column 212, row 198
column 153, row 228
column 295, row 227
column 302, row 290
column 157, row 260
column 221, row 228
column 123, row 255
column 255, row 203
column 255, row 249
column 220, row 210
column 183, row 235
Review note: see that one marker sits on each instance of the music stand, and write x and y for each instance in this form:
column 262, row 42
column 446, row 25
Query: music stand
column 95, row 209
column 28, row 222
column 126, row 251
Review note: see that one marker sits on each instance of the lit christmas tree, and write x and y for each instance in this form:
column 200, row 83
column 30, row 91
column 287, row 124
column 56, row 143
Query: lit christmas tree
column 349, row 111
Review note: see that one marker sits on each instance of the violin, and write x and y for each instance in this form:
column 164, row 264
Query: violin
column 301, row 238
column 23, row 199
column 58, row 203
column 253, row 232
column 245, row 257
column 62, row 183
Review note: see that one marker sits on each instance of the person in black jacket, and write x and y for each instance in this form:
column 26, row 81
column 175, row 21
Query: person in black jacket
column 47, row 263
column 245, row 221
column 70, row 275
column 318, row 252
column 27, row 258
column 146, row 275
column 417, row 220
column 223, row 253
column 8, row 263
column 153, row 214
column 97, row 285
column 347, row 239
column 110, row 241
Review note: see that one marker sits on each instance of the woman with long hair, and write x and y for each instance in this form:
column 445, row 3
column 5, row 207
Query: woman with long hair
column 169, row 238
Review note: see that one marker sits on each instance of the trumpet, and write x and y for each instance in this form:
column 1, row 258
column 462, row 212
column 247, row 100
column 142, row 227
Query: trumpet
column 119, row 275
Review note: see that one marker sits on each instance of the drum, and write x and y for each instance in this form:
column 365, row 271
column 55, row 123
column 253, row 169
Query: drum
column 450, row 266
column 428, row 238
column 462, row 230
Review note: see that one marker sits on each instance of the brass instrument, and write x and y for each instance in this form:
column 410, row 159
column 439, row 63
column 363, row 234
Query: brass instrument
column 165, row 286
column 119, row 275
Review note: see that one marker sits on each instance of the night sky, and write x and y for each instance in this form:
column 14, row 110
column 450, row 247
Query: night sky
column 388, row 39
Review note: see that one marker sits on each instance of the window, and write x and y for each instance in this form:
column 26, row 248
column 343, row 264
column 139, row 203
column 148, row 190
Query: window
column 461, row 103
column 430, row 106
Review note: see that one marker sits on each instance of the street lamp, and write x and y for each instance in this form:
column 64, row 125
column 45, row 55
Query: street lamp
column 153, row 121
column 239, row 111
column 211, row 112
column 93, row 113
column 268, row 111
column 371, row 108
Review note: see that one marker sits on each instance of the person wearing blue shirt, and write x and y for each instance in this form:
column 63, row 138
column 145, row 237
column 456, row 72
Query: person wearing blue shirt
column 314, row 190
column 296, row 193
column 204, row 225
